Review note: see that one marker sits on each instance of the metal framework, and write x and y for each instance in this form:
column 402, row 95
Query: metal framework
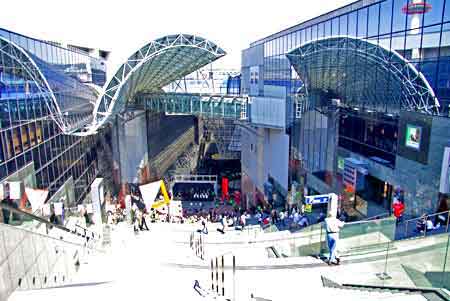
column 152, row 67
column 363, row 74
column 206, row 105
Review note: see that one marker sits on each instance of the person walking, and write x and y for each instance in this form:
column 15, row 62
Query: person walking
column 333, row 226
column 143, row 223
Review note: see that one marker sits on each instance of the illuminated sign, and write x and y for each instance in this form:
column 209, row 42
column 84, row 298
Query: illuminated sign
column 413, row 136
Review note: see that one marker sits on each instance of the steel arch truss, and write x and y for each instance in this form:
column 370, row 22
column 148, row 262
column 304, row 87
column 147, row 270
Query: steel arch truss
column 19, row 62
column 152, row 67
column 363, row 74
column 215, row 106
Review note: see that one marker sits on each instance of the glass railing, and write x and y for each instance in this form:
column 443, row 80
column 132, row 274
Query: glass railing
column 356, row 238
column 417, row 226
column 73, row 222
column 35, row 253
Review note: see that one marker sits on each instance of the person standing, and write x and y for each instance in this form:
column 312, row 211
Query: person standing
column 333, row 226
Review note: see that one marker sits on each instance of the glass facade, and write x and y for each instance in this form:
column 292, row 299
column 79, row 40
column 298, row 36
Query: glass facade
column 422, row 37
column 28, row 133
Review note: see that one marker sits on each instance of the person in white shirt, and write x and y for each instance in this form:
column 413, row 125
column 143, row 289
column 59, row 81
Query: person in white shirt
column 333, row 226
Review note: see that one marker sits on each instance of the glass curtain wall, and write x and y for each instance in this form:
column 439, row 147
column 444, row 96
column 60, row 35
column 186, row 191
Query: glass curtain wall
column 421, row 36
column 28, row 135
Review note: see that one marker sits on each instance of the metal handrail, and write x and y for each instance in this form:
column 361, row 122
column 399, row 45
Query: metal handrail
column 42, row 220
column 428, row 216
column 386, row 214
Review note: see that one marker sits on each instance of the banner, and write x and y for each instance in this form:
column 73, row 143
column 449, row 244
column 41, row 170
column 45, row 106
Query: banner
column 14, row 190
column 36, row 197
column 58, row 208
column 224, row 188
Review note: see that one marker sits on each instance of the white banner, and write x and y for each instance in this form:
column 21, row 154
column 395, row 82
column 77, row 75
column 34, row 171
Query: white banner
column 14, row 190
column 36, row 197
column 58, row 208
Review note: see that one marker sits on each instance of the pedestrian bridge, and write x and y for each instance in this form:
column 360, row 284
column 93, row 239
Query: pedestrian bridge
column 138, row 83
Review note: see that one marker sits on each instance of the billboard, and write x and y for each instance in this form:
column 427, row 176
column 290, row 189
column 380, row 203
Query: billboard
column 413, row 136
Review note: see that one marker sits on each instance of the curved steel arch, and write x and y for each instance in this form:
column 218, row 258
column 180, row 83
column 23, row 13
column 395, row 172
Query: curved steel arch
column 364, row 73
column 12, row 51
column 152, row 67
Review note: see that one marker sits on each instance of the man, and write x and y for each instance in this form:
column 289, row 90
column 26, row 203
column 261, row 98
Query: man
column 333, row 226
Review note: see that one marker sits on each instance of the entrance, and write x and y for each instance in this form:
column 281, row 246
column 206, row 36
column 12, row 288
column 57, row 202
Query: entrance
column 375, row 198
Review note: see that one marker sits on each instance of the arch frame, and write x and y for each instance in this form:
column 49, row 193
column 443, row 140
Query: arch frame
column 417, row 95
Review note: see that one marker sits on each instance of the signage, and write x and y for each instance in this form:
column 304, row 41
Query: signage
column 413, row 136
column 308, row 208
column 317, row 199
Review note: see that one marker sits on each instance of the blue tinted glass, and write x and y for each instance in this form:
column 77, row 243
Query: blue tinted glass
column 447, row 10
column 335, row 26
column 328, row 28
column 385, row 17
column 399, row 17
column 362, row 22
column 352, row 21
column 343, row 25
column 373, row 20
column 434, row 15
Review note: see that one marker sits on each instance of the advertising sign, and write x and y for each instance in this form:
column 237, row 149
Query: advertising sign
column 317, row 199
column 413, row 136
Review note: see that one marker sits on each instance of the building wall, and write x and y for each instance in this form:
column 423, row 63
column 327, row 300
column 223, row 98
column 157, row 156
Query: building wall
column 423, row 39
column 28, row 135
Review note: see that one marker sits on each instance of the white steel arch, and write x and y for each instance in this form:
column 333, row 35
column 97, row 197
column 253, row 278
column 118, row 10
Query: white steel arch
column 150, row 68
column 365, row 72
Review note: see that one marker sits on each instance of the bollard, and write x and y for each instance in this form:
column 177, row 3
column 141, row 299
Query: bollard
column 212, row 274
column 223, row 276
column 217, row 275
column 234, row 278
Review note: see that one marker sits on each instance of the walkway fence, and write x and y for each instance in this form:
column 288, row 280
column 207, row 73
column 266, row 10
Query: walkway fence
column 197, row 244
column 223, row 275
column 409, row 229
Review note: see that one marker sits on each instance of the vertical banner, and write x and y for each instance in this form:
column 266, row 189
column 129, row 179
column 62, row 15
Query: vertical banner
column 15, row 192
column 97, row 197
column 444, row 186
column 224, row 188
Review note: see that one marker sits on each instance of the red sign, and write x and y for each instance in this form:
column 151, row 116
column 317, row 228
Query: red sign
column 224, row 188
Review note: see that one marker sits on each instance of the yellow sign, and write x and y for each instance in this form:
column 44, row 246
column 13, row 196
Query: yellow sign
column 166, row 199
column 308, row 208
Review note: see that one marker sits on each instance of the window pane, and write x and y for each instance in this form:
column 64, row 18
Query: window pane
column 434, row 15
column 399, row 21
column 352, row 24
column 362, row 23
column 373, row 20
column 343, row 25
column 385, row 17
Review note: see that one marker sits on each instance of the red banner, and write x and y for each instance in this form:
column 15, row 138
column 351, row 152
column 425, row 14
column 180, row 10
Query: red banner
column 224, row 188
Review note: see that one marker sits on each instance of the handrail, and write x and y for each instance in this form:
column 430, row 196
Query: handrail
column 428, row 215
column 42, row 220
column 385, row 214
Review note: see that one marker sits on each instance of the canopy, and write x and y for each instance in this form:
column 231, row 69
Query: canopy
column 363, row 74
column 151, row 68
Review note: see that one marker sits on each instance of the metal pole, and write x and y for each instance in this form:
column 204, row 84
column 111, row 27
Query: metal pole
column 234, row 278
column 223, row 276
column 212, row 274
column 448, row 218
column 217, row 275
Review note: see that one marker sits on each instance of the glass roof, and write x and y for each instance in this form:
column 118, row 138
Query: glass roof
column 362, row 74
column 152, row 67
column 68, row 101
